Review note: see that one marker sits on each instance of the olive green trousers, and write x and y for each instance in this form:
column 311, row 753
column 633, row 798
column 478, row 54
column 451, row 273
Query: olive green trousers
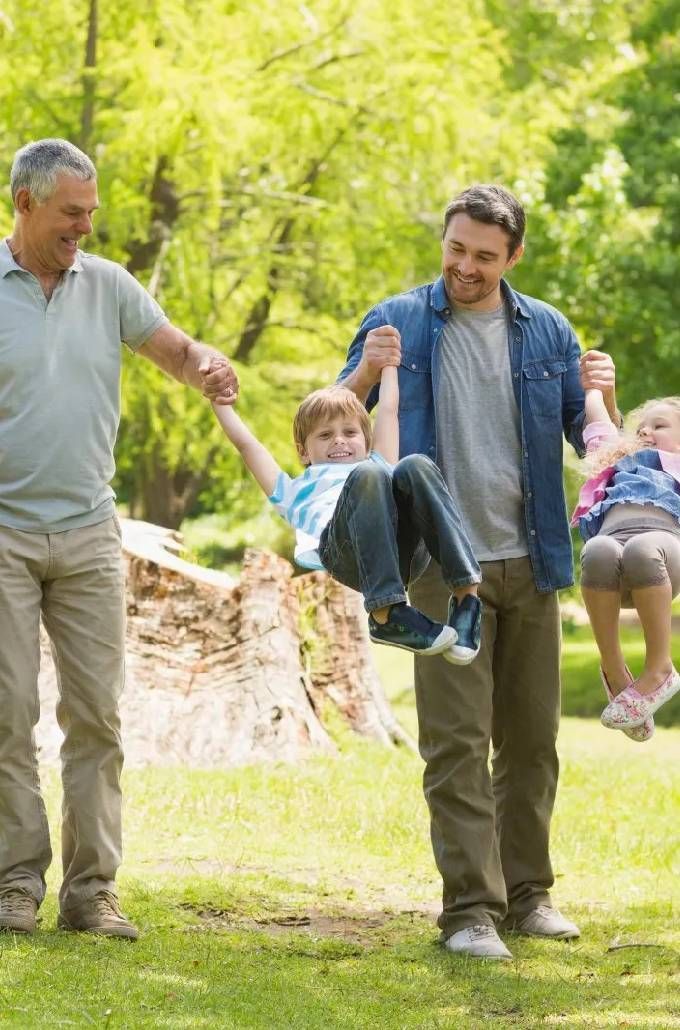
column 490, row 826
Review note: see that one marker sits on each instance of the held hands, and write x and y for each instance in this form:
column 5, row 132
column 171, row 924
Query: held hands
column 382, row 347
column 598, row 372
column 219, row 382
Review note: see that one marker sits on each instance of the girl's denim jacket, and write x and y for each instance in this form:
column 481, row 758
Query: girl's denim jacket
column 544, row 362
column 646, row 477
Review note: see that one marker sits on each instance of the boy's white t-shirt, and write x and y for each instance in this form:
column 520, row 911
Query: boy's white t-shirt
column 308, row 501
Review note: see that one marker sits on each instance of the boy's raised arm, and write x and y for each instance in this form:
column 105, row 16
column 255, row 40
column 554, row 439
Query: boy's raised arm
column 386, row 429
column 255, row 455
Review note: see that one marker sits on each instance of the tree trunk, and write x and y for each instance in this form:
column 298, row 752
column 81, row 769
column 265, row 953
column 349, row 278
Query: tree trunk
column 89, row 79
column 218, row 673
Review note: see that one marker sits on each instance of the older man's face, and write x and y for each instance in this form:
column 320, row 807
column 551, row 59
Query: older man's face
column 54, row 229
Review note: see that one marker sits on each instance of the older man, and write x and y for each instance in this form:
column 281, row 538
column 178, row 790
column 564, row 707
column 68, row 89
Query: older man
column 489, row 382
column 63, row 315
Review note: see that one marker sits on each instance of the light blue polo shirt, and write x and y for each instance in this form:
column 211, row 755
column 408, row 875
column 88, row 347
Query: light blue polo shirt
column 60, row 389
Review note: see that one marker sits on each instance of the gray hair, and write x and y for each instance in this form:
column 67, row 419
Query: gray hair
column 37, row 165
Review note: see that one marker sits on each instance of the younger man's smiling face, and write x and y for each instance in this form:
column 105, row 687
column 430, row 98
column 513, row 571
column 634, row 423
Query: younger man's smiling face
column 474, row 258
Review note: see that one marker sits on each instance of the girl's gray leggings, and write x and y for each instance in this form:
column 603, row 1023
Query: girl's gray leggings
column 619, row 561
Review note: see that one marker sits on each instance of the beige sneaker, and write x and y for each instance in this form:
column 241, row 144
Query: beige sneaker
column 18, row 910
column 477, row 942
column 99, row 914
column 545, row 921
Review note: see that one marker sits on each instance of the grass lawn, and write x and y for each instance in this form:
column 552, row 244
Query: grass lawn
column 286, row 897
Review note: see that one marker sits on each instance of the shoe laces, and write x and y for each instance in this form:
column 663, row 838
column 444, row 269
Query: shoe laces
column 17, row 901
column 481, row 932
column 106, row 904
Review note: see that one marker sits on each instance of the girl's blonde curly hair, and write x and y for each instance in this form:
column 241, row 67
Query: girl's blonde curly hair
column 627, row 442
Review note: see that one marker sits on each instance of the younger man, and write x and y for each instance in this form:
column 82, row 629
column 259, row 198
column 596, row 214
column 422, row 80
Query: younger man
column 364, row 516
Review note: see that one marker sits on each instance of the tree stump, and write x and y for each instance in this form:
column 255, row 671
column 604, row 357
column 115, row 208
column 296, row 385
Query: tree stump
column 220, row 672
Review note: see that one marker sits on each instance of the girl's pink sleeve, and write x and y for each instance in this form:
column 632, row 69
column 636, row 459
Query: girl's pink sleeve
column 597, row 433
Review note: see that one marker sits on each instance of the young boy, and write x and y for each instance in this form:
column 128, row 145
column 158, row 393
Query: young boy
column 366, row 517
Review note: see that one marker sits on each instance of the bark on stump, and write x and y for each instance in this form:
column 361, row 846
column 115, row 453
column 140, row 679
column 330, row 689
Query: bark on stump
column 218, row 672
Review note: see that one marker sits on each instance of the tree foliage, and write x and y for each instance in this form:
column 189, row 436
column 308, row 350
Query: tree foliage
column 270, row 170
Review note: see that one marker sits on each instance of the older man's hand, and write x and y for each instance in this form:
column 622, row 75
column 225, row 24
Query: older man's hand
column 219, row 380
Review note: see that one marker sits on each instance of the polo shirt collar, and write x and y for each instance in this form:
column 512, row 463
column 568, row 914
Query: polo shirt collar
column 8, row 264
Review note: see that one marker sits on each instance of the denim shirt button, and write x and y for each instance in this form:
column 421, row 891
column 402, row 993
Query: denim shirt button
column 516, row 375
column 532, row 532
column 413, row 366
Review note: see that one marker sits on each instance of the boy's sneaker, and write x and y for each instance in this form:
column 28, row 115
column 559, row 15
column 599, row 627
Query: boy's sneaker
column 408, row 628
column 465, row 617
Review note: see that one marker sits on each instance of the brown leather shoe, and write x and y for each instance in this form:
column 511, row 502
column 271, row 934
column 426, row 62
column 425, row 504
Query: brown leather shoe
column 18, row 910
column 99, row 914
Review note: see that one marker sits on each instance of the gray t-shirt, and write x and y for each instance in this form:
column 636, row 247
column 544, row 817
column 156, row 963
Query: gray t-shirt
column 478, row 432
column 60, row 389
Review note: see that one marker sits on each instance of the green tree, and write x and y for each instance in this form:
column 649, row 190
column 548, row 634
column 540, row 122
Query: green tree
column 269, row 171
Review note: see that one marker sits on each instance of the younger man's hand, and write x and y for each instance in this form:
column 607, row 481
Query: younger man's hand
column 382, row 346
column 597, row 371
column 220, row 382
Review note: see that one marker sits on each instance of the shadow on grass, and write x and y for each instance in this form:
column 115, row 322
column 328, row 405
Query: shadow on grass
column 189, row 971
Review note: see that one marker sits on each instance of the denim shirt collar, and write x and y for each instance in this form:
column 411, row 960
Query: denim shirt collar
column 439, row 300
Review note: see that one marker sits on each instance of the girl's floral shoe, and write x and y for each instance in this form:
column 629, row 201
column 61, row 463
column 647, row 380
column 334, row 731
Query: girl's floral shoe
column 630, row 708
column 637, row 733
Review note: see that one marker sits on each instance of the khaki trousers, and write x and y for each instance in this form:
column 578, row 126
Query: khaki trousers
column 75, row 581
column 490, row 831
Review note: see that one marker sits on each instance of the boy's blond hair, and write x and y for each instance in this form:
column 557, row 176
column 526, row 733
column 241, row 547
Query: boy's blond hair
column 330, row 402
column 628, row 442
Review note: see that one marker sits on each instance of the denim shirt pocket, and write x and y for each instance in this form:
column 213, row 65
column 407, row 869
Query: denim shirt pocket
column 543, row 380
column 414, row 379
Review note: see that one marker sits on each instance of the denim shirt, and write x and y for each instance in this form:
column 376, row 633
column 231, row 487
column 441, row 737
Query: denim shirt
column 544, row 359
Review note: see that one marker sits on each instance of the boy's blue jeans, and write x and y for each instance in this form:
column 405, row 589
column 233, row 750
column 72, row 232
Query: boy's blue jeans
column 375, row 540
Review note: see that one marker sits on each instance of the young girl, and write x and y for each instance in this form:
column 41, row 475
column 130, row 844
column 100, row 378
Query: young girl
column 629, row 516
column 366, row 517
